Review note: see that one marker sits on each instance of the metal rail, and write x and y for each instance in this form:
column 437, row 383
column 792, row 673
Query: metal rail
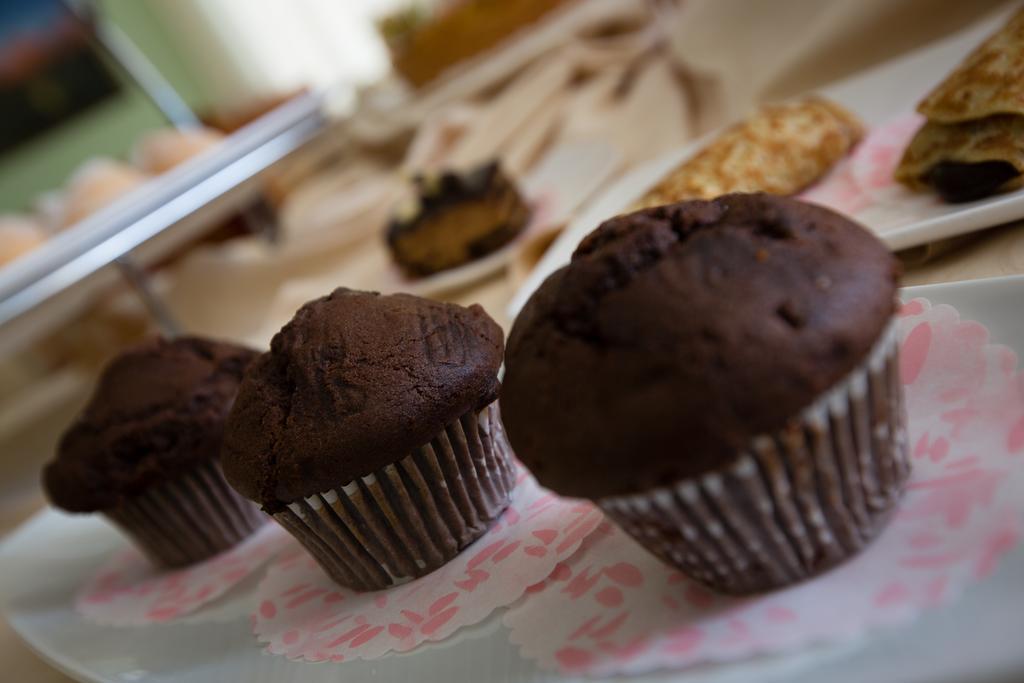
column 217, row 178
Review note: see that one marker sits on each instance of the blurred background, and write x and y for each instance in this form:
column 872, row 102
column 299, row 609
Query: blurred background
column 226, row 60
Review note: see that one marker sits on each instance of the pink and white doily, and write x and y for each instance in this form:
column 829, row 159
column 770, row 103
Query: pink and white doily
column 863, row 183
column 613, row 608
column 129, row 591
column 302, row 614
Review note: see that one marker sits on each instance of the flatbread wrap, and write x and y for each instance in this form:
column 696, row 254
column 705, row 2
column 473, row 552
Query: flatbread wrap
column 972, row 144
column 780, row 149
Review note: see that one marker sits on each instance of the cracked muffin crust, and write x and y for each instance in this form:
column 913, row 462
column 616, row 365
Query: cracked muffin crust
column 678, row 333
column 355, row 382
column 159, row 409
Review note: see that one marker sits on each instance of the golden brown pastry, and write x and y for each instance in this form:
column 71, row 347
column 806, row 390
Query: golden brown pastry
column 18, row 235
column 96, row 184
column 780, row 149
column 161, row 150
column 972, row 145
column 423, row 47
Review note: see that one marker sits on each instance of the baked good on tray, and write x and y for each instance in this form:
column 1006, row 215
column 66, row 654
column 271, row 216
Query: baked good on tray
column 96, row 184
column 161, row 150
column 721, row 378
column 145, row 451
column 456, row 217
column 370, row 431
column 780, row 148
column 18, row 235
column 972, row 144
column 425, row 45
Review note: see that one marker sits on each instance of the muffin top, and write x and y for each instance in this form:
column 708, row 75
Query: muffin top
column 356, row 381
column 158, row 409
column 678, row 333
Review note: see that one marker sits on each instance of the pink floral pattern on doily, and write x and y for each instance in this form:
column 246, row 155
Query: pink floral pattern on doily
column 129, row 591
column 613, row 608
column 864, row 180
column 302, row 614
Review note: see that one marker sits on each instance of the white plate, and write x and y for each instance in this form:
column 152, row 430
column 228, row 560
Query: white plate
column 560, row 183
column 876, row 95
column 45, row 561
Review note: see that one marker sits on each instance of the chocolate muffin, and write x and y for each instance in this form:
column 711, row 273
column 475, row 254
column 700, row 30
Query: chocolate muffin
column 455, row 218
column 721, row 377
column 145, row 452
column 370, row 431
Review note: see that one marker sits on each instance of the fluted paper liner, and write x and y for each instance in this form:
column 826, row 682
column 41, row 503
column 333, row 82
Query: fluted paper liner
column 188, row 519
column 413, row 516
column 796, row 502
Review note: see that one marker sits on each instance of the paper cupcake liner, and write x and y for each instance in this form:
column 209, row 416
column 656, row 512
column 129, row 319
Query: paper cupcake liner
column 188, row 519
column 798, row 501
column 413, row 516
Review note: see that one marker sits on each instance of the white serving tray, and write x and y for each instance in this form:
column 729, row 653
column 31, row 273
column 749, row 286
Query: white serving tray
column 876, row 95
column 43, row 563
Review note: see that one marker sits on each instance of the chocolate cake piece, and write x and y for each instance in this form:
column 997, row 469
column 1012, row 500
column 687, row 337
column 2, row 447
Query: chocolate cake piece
column 455, row 218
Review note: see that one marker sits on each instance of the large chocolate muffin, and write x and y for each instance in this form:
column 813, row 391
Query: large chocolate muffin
column 685, row 341
column 370, row 431
column 146, row 449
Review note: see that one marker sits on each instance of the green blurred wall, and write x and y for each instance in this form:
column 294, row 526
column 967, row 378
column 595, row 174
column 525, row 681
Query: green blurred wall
column 108, row 129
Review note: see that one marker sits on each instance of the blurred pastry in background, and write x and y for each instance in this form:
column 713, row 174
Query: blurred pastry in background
column 781, row 149
column 456, row 217
column 97, row 183
column 242, row 114
column 19, row 234
column 161, row 150
column 424, row 43
column 972, row 144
